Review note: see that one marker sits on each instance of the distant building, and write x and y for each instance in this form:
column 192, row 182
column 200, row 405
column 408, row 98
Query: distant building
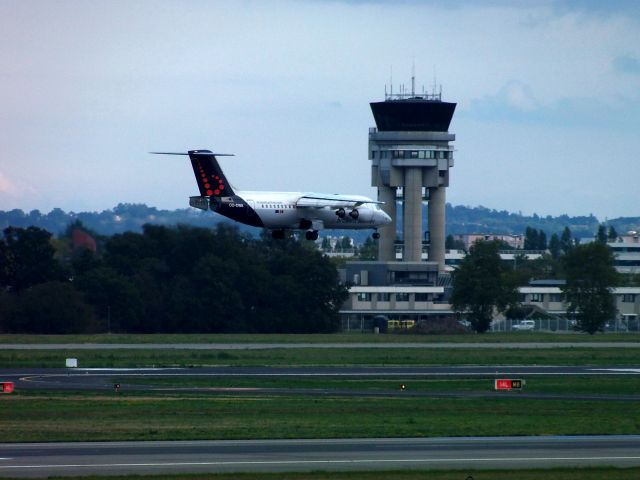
column 414, row 291
column 468, row 239
column 627, row 253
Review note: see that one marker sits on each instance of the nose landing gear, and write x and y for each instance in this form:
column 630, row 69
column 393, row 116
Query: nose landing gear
column 376, row 235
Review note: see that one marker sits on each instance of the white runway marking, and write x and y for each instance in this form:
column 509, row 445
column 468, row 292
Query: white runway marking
column 325, row 462
column 619, row 370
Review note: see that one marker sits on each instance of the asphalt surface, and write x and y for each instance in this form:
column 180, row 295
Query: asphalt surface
column 267, row 346
column 40, row 460
column 130, row 379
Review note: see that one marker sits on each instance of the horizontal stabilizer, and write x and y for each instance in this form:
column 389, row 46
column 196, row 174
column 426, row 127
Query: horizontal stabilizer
column 199, row 202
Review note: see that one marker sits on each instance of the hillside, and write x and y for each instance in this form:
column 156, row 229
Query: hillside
column 460, row 219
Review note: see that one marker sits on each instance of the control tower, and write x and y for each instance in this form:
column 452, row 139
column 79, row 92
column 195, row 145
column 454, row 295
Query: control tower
column 411, row 155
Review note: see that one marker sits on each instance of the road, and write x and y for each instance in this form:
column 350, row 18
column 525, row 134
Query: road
column 267, row 346
column 39, row 460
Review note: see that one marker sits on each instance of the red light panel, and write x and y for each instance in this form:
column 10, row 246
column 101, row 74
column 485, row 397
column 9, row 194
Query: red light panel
column 508, row 384
column 7, row 387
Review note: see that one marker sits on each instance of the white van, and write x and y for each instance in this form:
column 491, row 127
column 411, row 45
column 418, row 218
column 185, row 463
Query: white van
column 524, row 326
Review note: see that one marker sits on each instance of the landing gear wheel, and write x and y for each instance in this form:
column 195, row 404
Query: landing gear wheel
column 341, row 213
column 375, row 235
column 311, row 235
column 354, row 214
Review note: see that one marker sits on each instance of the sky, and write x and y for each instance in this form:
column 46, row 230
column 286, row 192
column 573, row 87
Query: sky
column 547, row 92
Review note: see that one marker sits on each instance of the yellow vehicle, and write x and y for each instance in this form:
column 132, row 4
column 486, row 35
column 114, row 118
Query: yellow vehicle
column 400, row 324
column 393, row 324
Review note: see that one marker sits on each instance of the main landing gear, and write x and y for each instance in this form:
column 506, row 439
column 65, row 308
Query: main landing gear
column 311, row 235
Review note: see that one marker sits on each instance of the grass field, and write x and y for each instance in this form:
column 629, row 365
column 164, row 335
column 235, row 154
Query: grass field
column 37, row 417
column 319, row 356
column 324, row 338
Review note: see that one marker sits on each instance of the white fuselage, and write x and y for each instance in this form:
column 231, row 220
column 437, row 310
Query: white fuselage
column 281, row 210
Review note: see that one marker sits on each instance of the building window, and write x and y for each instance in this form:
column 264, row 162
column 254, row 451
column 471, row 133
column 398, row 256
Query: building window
column 402, row 297
column 422, row 297
column 555, row 297
column 364, row 297
column 537, row 297
column 384, row 297
column 628, row 298
column 373, row 154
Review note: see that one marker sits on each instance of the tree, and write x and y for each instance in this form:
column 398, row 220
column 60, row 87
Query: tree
column 613, row 235
column 451, row 243
column 601, row 236
column 590, row 277
column 481, row 285
column 566, row 240
column 555, row 246
column 27, row 257
column 369, row 250
column 47, row 308
column 542, row 240
column 531, row 239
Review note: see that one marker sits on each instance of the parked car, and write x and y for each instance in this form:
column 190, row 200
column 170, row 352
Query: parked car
column 524, row 326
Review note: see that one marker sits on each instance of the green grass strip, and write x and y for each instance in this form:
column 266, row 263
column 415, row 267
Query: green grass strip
column 125, row 416
column 319, row 356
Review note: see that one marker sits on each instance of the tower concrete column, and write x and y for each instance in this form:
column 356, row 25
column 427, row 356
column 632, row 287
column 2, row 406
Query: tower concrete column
column 386, row 244
column 436, row 225
column 412, row 219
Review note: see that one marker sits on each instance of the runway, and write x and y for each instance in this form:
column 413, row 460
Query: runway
column 130, row 379
column 39, row 460
column 269, row 346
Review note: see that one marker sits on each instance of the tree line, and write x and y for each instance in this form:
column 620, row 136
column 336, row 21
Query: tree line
column 165, row 280
column 459, row 220
column 483, row 284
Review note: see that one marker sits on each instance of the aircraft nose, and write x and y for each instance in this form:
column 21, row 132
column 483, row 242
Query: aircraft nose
column 384, row 218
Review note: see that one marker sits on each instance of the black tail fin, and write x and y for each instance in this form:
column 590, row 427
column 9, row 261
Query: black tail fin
column 211, row 179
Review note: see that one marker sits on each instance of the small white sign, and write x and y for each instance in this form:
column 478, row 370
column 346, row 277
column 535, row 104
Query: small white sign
column 72, row 363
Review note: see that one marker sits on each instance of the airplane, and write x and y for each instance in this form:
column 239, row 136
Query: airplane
column 279, row 211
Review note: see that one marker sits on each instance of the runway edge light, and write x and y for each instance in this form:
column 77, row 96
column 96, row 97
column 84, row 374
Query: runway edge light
column 508, row 384
column 7, row 387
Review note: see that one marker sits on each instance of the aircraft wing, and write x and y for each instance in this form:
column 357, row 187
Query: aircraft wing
column 322, row 200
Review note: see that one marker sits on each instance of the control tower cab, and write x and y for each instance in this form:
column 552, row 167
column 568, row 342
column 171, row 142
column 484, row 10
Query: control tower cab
column 411, row 155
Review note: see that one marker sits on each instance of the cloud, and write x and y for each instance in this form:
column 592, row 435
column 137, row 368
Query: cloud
column 515, row 103
column 627, row 64
column 7, row 186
